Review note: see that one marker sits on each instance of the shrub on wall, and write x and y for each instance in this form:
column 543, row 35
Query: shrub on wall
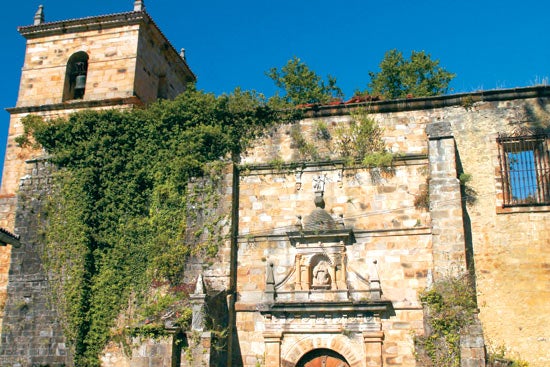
column 449, row 306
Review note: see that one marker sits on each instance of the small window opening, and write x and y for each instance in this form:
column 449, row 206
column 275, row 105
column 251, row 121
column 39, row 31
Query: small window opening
column 525, row 169
column 75, row 76
column 162, row 91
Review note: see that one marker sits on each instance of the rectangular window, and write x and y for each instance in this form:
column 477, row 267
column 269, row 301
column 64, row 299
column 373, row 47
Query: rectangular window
column 525, row 169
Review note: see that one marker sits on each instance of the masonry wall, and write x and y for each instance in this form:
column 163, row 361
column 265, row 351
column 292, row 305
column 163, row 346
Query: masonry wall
column 159, row 71
column 511, row 247
column 391, row 233
column 31, row 331
column 111, row 66
column 507, row 249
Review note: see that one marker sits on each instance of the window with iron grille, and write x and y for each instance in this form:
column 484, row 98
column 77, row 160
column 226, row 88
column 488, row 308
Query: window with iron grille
column 525, row 168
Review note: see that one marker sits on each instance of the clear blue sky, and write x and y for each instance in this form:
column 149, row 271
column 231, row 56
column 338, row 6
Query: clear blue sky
column 488, row 44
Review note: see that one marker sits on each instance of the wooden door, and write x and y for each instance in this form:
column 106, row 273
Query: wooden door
column 322, row 358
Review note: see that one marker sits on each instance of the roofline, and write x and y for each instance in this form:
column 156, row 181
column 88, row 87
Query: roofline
column 8, row 238
column 77, row 104
column 96, row 23
column 423, row 103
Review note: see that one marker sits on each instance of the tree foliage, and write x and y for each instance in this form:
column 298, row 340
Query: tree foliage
column 419, row 76
column 131, row 198
column 301, row 85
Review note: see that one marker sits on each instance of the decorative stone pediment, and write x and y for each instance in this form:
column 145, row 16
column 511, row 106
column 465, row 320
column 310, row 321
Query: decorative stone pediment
column 320, row 272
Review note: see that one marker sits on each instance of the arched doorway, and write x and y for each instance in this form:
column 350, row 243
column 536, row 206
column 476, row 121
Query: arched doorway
column 322, row 358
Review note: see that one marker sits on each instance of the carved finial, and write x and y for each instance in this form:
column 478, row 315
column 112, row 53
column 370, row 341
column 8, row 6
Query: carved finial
column 374, row 279
column 39, row 16
column 182, row 53
column 199, row 287
column 269, row 295
column 139, row 5
column 429, row 279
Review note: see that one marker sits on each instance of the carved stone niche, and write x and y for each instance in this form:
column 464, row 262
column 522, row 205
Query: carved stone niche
column 320, row 267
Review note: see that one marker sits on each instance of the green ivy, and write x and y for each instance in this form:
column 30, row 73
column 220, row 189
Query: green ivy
column 136, row 193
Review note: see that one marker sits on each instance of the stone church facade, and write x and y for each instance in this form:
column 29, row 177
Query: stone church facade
column 326, row 261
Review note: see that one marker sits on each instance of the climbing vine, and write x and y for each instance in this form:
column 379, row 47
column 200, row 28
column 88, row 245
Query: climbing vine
column 136, row 193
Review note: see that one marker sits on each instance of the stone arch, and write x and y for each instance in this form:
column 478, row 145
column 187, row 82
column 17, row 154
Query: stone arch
column 322, row 357
column 76, row 73
column 338, row 343
column 321, row 272
column 315, row 259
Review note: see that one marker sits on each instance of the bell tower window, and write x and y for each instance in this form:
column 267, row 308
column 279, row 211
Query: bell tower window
column 75, row 76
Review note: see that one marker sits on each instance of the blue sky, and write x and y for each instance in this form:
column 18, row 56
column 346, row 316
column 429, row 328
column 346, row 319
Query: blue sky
column 488, row 44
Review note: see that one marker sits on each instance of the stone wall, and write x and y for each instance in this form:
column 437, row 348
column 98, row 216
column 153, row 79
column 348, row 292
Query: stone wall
column 506, row 249
column 160, row 72
column 392, row 243
column 111, row 65
column 511, row 248
column 31, row 331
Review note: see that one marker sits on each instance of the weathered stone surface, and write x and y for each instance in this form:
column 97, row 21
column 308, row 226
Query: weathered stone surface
column 436, row 139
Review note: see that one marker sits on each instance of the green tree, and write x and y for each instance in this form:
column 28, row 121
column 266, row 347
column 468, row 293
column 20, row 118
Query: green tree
column 302, row 85
column 419, row 76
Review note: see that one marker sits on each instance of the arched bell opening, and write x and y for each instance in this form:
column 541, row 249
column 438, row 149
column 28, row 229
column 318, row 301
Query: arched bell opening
column 322, row 358
column 75, row 76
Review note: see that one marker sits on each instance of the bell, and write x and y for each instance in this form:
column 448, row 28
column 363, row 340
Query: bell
column 80, row 82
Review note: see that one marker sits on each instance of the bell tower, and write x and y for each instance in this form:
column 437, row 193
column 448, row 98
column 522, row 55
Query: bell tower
column 110, row 61
column 118, row 61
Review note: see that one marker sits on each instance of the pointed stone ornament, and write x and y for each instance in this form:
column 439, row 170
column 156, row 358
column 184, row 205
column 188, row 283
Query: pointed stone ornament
column 374, row 278
column 139, row 5
column 270, row 284
column 182, row 53
column 39, row 16
column 198, row 299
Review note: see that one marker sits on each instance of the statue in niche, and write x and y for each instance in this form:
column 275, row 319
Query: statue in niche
column 321, row 275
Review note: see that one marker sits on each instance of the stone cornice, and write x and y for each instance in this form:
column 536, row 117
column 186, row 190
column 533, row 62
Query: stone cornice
column 84, row 24
column 322, row 308
column 76, row 105
column 465, row 100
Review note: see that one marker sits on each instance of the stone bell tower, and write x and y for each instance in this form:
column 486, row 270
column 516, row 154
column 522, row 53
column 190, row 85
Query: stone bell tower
column 118, row 61
column 109, row 61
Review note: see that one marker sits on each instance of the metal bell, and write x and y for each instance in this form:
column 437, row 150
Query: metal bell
column 80, row 82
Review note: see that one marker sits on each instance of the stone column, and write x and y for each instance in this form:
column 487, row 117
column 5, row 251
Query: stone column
column 197, row 303
column 373, row 348
column 472, row 346
column 449, row 250
column 200, row 351
column 272, row 342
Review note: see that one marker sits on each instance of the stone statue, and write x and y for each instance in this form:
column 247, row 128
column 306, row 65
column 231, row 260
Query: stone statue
column 321, row 275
